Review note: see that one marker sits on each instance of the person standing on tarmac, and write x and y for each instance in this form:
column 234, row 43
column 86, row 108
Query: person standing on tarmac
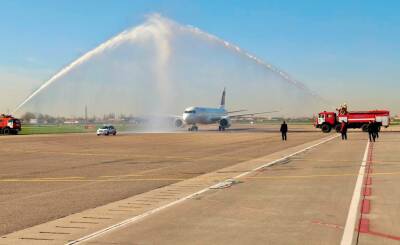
column 343, row 130
column 284, row 130
column 376, row 129
column 371, row 131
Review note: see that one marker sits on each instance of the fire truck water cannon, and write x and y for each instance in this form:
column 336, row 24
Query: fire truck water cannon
column 327, row 121
column 9, row 124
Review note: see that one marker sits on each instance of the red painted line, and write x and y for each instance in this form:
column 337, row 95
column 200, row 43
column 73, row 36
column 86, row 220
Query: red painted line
column 368, row 181
column 397, row 238
column 318, row 222
column 366, row 206
column 367, row 191
column 364, row 225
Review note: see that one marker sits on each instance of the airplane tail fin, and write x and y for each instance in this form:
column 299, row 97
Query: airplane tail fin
column 223, row 99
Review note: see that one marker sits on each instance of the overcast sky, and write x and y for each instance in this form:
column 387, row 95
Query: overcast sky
column 347, row 51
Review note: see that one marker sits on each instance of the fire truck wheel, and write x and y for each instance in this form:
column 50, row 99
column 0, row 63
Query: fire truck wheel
column 326, row 128
column 6, row 131
column 364, row 128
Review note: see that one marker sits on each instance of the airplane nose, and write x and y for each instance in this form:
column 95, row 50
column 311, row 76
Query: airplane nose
column 186, row 118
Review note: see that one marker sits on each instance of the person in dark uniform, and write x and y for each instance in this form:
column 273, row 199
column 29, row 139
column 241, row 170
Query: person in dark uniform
column 343, row 130
column 371, row 131
column 284, row 130
column 376, row 129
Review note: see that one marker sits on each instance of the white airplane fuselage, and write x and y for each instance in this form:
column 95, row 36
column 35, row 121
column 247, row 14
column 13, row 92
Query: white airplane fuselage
column 203, row 115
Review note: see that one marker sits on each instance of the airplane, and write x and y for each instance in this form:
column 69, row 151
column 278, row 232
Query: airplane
column 204, row 115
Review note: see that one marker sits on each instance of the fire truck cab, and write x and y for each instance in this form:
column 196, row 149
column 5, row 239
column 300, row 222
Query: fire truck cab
column 9, row 125
column 325, row 121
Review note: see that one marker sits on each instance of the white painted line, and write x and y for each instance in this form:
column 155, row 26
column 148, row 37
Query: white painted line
column 349, row 229
column 141, row 216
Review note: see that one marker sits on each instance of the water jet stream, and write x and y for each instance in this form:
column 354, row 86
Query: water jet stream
column 157, row 26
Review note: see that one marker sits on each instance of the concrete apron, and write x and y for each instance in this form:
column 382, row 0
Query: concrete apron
column 89, row 224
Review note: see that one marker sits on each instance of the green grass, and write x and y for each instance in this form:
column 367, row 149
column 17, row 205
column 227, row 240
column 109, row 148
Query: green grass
column 65, row 128
column 395, row 122
column 53, row 129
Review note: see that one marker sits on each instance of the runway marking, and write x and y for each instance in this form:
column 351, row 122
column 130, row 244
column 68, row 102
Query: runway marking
column 349, row 228
column 83, row 179
column 156, row 210
column 364, row 226
column 90, row 180
column 380, row 234
column 365, row 206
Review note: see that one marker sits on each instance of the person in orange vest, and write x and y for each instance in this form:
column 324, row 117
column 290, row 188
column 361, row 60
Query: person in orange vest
column 343, row 130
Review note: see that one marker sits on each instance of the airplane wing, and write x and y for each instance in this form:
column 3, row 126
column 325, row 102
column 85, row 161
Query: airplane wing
column 229, row 112
column 251, row 114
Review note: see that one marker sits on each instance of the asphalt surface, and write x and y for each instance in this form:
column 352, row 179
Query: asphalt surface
column 47, row 177
column 303, row 200
column 155, row 189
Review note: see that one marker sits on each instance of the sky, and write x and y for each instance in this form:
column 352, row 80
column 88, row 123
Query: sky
column 347, row 51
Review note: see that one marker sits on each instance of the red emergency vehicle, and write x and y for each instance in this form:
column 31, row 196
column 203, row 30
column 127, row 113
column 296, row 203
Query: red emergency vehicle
column 9, row 124
column 327, row 121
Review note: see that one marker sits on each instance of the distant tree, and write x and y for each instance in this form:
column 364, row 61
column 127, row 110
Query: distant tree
column 28, row 116
column 49, row 119
column 40, row 118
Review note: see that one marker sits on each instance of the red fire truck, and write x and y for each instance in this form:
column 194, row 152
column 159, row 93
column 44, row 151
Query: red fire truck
column 9, row 124
column 327, row 121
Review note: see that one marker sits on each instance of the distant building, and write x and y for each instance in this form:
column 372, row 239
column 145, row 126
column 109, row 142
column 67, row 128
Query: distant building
column 71, row 122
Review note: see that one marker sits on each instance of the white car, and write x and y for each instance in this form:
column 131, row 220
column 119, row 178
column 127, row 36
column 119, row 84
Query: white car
column 106, row 130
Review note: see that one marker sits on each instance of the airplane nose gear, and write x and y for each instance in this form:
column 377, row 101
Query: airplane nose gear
column 193, row 128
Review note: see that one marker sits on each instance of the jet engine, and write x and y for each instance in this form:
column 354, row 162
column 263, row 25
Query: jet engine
column 178, row 123
column 224, row 123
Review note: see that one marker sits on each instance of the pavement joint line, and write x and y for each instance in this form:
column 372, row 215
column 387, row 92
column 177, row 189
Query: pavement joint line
column 87, row 217
column 190, row 196
column 54, row 233
column 83, row 222
column 36, row 238
column 70, row 227
column 348, row 234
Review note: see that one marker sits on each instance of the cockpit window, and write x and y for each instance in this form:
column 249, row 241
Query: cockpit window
column 191, row 111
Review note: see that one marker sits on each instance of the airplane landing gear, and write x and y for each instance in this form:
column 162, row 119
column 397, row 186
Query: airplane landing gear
column 221, row 128
column 193, row 128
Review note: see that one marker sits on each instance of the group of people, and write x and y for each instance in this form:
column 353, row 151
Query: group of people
column 373, row 130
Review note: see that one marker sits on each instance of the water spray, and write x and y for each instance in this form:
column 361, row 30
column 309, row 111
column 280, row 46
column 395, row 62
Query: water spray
column 156, row 26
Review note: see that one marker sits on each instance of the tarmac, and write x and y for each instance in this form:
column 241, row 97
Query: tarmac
column 241, row 187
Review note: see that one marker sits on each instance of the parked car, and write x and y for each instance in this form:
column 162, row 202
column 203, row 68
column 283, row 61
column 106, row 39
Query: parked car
column 106, row 130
